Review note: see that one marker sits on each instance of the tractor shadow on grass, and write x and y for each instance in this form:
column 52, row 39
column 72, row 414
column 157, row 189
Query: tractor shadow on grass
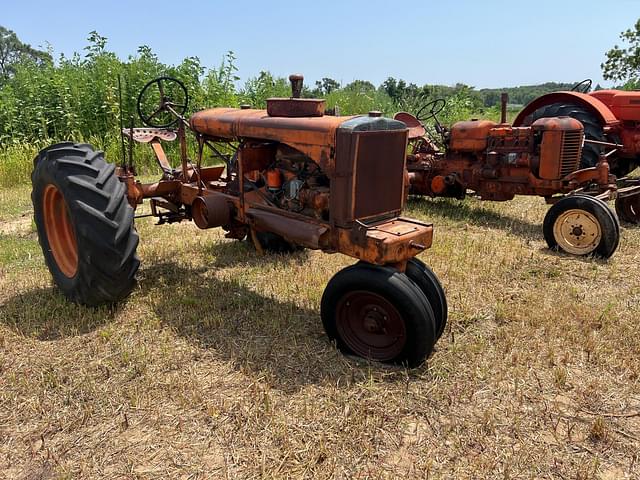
column 45, row 314
column 469, row 212
column 241, row 252
column 281, row 342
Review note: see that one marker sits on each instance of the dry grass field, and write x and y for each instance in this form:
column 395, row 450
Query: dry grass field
column 217, row 365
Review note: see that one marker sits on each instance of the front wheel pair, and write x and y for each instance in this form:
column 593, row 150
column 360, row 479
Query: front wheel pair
column 385, row 315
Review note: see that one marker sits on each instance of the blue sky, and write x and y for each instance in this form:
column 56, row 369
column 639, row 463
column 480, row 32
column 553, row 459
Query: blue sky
column 481, row 43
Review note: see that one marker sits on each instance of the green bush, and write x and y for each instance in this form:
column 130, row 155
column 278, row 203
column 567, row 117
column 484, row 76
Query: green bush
column 77, row 98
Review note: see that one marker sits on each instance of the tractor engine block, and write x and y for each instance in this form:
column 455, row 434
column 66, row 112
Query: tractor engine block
column 296, row 183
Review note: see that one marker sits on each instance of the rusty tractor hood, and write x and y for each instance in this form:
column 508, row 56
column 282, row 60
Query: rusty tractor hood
column 314, row 136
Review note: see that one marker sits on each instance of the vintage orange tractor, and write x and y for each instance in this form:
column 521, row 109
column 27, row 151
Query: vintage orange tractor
column 608, row 116
column 498, row 161
column 289, row 176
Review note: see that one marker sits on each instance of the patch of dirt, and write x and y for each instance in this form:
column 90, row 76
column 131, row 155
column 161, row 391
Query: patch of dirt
column 18, row 227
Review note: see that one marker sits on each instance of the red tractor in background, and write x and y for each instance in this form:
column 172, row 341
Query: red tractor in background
column 497, row 161
column 611, row 116
column 608, row 116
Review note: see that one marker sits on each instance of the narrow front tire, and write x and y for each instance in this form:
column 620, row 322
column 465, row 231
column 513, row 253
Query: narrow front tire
column 582, row 225
column 378, row 313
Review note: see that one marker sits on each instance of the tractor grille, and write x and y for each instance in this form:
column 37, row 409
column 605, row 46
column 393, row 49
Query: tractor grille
column 368, row 182
column 379, row 180
column 571, row 152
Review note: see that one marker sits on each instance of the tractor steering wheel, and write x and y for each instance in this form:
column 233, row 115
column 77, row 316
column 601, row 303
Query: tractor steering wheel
column 584, row 86
column 162, row 102
column 431, row 109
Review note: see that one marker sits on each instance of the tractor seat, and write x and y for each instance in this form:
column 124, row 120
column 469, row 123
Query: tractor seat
column 416, row 129
column 146, row 135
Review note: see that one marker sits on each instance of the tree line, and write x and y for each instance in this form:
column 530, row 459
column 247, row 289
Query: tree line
column 77, row 96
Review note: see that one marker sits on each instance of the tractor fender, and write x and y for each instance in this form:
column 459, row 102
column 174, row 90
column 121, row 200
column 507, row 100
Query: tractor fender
column 604, row 114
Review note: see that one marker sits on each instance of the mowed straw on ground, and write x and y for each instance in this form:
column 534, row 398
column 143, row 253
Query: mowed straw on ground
column 217, row 365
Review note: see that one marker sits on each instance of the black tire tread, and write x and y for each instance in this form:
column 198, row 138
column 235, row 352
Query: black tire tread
column 102, row 219
column 415, row 308
column 608, row 221
column 426, row 279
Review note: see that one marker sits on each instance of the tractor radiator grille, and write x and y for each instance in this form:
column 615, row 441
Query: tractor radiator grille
column 571, row 152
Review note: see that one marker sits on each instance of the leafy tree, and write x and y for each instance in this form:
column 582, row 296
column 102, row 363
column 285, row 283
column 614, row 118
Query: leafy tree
column 326, row 86
column 361, row 86
column 257, row 90
column 623, row 64
column 399, row 90
column 13, row 51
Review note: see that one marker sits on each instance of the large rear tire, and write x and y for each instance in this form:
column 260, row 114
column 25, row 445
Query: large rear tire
column 628, row 209
column 85, row 224
column 378, row 313
column 592, row 131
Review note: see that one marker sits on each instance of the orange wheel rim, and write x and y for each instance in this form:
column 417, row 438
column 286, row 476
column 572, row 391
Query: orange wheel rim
column 60, row 234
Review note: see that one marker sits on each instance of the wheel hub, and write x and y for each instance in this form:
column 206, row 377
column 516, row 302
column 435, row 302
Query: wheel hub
column 59, row 229
column 577, row 231
column 374, row 321
column 371, row 325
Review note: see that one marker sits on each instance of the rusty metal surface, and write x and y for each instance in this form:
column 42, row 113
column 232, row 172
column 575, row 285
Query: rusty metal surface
column 211, row 211
column 504, row 99
column 314, row 136
column 303, row 233
column 161, row 156
column 297, row 81
column 498, row 162
column 416, row 129
column 380, row 244
column 369, row 174
column 617, row 111
column 313, row 180
column 370, row 325
column 379, row 180
column 561, row 146
column 471, row 135
column 295, row 107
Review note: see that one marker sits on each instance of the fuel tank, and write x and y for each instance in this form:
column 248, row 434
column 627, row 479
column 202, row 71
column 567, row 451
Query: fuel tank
column 470, row 135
